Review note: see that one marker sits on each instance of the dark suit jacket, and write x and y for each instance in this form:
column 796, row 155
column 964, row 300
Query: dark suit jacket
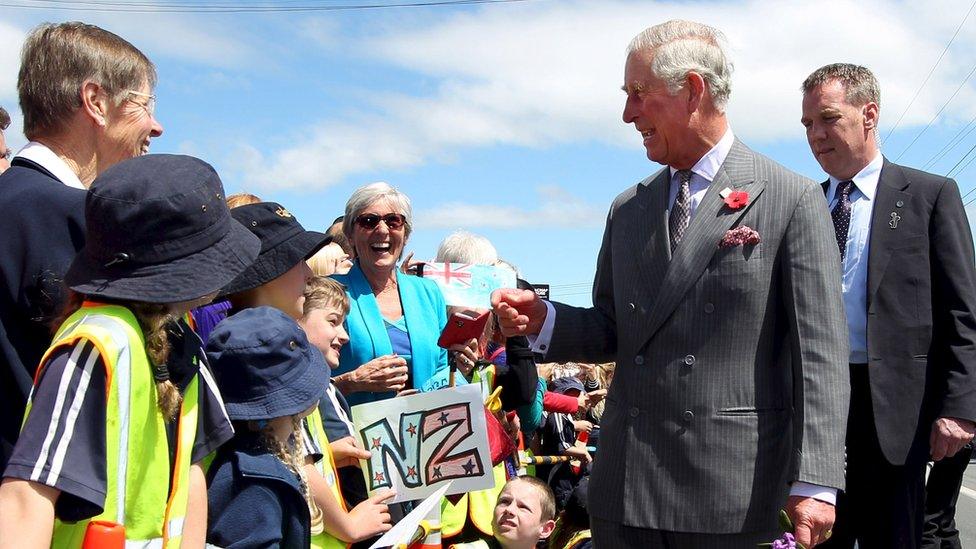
column 42, row 226
column 921, row 302
column 732, row 377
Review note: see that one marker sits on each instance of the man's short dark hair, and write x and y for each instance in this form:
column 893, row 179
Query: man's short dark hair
column 4, row 119
column 860, row 85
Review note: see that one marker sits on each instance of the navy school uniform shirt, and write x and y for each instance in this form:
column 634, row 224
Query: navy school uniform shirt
column 73, row 460
column 254, row 500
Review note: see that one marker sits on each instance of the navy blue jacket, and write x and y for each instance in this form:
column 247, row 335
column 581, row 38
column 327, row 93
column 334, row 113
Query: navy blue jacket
column 42, row 226
column 254, row 500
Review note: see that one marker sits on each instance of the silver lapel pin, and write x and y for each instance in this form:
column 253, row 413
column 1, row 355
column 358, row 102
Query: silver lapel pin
column 895, row 218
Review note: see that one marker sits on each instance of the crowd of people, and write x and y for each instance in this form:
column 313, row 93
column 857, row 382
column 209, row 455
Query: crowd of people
column 181, row 363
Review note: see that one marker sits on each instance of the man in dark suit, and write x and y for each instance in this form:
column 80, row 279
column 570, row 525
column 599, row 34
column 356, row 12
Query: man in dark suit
column 909, row 286
column 716, row 293
column 86, row 96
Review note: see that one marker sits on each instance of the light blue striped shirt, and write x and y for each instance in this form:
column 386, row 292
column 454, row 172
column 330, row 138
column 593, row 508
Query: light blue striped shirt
column 854, row 269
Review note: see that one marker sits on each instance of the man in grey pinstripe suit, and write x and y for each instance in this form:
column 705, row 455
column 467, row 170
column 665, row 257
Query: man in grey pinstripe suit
column 717, row 294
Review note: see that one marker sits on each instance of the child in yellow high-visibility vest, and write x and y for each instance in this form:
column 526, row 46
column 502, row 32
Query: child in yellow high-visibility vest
column 278, row 279
column 524, row 515
column 124, row 408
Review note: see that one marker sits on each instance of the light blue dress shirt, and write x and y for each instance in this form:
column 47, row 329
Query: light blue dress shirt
column 854, row 269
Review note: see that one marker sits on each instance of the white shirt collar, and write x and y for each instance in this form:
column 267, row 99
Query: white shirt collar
column 45, row 157
column 866, row 180
column 708, row 165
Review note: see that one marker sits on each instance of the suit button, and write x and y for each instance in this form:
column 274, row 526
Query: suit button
column 632, row 306
column 688, row 416
column 689, row 360
column 638, row 360
column 543, row 347
column 634, row 412
column 709, row 308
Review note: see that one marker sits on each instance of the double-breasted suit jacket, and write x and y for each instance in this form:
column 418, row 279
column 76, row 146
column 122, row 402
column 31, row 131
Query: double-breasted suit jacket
column 731, row 377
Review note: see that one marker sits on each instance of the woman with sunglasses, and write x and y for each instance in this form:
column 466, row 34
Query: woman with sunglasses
column 394, row 319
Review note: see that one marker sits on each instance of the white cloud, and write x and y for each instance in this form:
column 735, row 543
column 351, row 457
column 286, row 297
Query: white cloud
column 544, row 74
column 11, row 39
column 555, row 208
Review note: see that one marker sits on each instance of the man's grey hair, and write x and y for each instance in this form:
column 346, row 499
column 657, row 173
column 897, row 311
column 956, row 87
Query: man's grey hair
column 4, row 119
column 681, row 47
column 860, row 85
column 465, row 247
column 365, row 196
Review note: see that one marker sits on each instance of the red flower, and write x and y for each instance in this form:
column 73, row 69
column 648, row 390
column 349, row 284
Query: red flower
column 737, row 199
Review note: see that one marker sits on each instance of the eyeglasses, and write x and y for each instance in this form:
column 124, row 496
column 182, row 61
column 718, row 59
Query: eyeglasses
column 370, row 221
column 149, row 105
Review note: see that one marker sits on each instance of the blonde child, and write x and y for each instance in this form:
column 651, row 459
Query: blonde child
column 524, row 515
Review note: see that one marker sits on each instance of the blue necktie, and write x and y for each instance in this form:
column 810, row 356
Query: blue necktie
column 841, row 215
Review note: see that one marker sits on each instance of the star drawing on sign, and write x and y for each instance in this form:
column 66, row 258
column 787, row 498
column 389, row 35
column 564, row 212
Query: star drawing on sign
column 378, row 478
column 437, row 472
column 412, row 429
column 443, row 418
column 376, row 442
column 468, row 467
column 411, row 472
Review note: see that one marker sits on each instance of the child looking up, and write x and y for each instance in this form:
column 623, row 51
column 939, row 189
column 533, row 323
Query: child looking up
column 124, row 408
column 523, row 516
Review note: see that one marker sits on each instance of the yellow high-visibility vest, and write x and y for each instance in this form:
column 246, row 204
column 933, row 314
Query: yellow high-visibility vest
column 140, row 493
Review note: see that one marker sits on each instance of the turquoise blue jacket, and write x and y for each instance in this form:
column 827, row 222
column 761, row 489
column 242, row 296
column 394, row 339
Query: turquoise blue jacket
column 425, row 313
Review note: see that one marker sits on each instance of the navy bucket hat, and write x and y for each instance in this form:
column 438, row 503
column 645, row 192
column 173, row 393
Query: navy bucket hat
column 159, row 231
column 264, row 365
column 284, row 243
column 567, row 383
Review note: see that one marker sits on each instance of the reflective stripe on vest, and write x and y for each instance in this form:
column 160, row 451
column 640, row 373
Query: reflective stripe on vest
column 137, row 449
column 326, row 467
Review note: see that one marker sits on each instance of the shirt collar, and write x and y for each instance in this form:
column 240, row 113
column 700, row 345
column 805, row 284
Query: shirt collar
column 865, row 181
column 47, row 159
column 708, row 165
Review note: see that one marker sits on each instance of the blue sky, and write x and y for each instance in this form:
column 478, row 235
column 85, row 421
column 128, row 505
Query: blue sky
column 504, row 119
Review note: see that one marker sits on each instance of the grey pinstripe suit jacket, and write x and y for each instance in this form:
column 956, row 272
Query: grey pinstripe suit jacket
column 732, row 364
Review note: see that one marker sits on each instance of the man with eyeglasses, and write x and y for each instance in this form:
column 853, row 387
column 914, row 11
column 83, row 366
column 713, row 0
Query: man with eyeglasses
column 86, row 97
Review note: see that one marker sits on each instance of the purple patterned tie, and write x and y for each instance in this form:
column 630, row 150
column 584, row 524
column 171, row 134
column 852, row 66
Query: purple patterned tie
column 841, row 215
column 681, row 211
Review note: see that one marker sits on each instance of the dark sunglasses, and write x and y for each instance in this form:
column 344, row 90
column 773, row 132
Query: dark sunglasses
column 370, row 221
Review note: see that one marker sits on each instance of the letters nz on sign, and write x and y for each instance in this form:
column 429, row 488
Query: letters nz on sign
column 422, row 441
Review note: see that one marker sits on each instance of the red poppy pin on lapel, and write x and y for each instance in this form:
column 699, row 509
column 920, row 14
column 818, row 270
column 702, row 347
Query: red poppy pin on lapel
column 735, row 200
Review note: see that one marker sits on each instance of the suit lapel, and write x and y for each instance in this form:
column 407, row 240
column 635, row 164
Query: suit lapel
column 709, row 224
column 652, row 230
column 892, row 186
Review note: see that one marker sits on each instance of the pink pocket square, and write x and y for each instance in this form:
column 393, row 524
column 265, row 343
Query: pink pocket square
column 739, row 236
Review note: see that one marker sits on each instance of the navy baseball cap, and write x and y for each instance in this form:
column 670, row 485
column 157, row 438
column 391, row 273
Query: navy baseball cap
column 567, row 383
column 159, row 231
column 264, row 365
column 284, row 243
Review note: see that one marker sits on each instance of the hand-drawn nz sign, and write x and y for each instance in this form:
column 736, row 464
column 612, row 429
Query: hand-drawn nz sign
column 421, row 441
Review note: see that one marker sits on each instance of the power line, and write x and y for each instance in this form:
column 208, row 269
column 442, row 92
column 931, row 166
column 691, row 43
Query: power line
column 929, row 75
column 961, row 135
column 934, row 118
column 232, row 7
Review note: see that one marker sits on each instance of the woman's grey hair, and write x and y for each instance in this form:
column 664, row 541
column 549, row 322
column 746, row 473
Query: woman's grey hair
column 681, row 47
column 365, row 196
column 465, row 247
column 56, row 60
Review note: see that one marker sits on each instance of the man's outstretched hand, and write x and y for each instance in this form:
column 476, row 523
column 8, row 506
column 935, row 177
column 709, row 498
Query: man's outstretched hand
column 519, row 312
